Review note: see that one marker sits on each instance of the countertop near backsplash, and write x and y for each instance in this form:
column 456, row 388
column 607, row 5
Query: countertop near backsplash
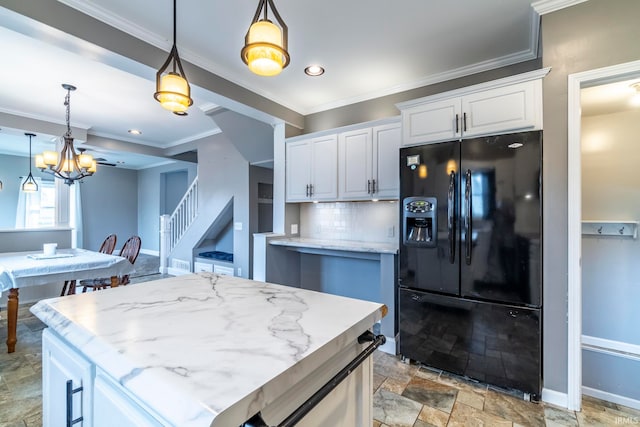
column 350, row 221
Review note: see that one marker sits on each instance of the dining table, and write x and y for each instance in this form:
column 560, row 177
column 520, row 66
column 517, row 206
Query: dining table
column 35, row 268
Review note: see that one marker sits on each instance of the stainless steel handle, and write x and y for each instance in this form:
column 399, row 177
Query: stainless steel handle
column 368, row 186
column 451, row 220
column 467, row 218
column 464, row 122
column 457, row 123
column 70, row 392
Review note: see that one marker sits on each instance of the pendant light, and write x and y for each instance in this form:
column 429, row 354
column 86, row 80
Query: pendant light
column 67, row 165
column 265, row 45
column 172, row 88
column 30, row 185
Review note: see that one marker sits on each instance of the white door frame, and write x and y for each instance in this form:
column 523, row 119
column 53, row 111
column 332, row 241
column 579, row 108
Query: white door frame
column 574, row 197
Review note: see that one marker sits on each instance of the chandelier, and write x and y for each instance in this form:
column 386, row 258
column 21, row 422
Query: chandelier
column 265, row 44
column 67, row 165
column 172, row 89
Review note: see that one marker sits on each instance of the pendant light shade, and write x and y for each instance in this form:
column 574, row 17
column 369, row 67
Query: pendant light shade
column 29, row 185
column 265, row 45
column 172, row 88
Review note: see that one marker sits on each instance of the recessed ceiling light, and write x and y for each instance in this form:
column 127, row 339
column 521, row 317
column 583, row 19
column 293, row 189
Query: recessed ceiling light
column 135, row 132
column 314, row 70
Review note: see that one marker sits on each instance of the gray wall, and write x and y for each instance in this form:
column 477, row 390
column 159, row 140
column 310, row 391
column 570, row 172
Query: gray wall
column 583, row 37
column 173, row 185
column 256, row 175
column 109, row 205
column 383, row 107
column 11, row 169
column 148, row 200
column 611, row 191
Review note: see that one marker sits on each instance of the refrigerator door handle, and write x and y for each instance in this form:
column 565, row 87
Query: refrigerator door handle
column 451, row 220
column 467, row 218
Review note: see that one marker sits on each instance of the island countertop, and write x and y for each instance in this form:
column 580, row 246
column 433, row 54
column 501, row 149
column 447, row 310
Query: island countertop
column 204, row 349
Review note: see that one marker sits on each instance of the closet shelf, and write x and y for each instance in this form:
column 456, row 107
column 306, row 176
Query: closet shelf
column 610, row 228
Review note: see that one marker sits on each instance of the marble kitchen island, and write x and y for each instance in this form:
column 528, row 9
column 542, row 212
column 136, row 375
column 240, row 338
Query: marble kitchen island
column 204, row 350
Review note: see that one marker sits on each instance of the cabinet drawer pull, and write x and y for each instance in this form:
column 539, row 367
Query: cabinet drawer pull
column 464, row 122
column 70, row 392
column 373, row 186
column 310, row 190
column 457, row 123
column 368, row 186
column 307, row 191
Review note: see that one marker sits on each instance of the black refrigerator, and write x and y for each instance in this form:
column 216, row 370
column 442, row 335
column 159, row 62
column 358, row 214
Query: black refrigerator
column 469, row 265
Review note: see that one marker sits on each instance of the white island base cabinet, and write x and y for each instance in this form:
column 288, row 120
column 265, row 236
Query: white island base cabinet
column 103, row 402
column 61, row 364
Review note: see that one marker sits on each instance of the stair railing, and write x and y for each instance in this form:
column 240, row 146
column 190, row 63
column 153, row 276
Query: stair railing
column 174, row 226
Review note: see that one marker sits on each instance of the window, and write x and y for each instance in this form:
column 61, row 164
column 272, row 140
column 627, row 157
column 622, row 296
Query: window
column 37, row 209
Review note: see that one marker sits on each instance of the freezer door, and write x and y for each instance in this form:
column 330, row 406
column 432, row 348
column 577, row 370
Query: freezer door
column 431, row 172
column 495, row 343
column 501, row 218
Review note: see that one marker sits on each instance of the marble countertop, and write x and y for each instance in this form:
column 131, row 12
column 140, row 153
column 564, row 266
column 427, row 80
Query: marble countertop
column 204, row 349
column 337, row 245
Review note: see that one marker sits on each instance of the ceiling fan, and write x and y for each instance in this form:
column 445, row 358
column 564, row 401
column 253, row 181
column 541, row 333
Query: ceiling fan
column 99, row 160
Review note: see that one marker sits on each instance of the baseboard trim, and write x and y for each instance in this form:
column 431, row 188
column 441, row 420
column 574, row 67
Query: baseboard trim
column 611, row 397
column 150, row 252
column 389, row 347
column 177, row 272
column 556, row 398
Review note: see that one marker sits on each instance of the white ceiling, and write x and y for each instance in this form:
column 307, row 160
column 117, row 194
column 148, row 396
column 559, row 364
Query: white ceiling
column 610, row 98
column 369, row 49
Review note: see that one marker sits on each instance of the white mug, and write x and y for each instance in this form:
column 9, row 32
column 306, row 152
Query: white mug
column 49, row 248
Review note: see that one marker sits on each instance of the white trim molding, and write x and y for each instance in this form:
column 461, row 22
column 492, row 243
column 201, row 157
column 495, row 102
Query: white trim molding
column 554, row 397
column 615, row 398
column 574, row 219
column 611, row 347
column 547, row 6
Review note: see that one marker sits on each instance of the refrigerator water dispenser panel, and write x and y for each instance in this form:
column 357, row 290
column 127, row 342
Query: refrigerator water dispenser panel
column 420, row 221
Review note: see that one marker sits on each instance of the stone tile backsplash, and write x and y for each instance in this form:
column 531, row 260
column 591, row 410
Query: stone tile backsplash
column 359, row 221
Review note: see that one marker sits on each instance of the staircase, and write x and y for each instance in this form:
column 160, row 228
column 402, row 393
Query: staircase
column 174, row 226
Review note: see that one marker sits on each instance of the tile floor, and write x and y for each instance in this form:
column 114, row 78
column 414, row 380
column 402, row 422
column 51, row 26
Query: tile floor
column 404, row 394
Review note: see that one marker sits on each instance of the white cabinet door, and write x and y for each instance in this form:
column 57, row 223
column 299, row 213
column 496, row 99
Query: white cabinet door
column 386, row 152
column 324, row 168
column 355, row 175
column 298, row 170
column 432, row 122
column 61, row 364
column 500, row 110
column 112, row 407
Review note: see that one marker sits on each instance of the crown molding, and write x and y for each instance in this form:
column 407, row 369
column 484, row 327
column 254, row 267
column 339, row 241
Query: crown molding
column 547, row 6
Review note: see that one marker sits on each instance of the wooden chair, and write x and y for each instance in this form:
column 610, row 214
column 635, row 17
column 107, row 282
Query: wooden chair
column 107, row 247
column 130, row 251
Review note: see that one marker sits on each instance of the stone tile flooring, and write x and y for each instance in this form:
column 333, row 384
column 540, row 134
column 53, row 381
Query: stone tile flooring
column 411, row 395
column 404, row 394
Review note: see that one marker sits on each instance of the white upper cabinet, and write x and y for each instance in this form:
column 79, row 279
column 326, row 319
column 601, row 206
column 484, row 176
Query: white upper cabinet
column 312, row 169
column 386, row 160
column 501, row 106
column 368, row 163
column 355, row 164
column 359, row 163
